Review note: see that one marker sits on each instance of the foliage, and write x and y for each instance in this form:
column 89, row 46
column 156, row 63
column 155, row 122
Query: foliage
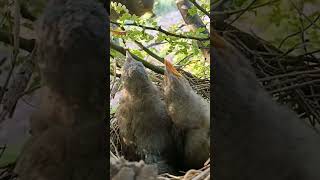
column 185, row 52
column 279, row 19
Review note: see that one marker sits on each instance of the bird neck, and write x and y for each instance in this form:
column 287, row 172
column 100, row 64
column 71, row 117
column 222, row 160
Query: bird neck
column 136, row 90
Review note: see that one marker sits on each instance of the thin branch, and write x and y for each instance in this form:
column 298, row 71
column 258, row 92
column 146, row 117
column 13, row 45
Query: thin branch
column 3, row 60
column 303, row 38
column 155, row 44
column 200, row 7
column 290, row 74
column 310, row 53
column 229, row 13
column 187, row 57
column 296, row 46
column 149, row 52
column 145, row 63
column 15, row 48
column 298, row 32
column 295, row 86
column 304, row 15
column 18, row 86
column 301, row 26
column 242, row 12
column 3, row 148
column 163, row 31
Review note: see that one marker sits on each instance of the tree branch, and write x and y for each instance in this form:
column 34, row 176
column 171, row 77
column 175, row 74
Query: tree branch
column 242, row 12
column 304, row 15
column 149, row 52
column 17, row 88
column 229, row 13
column 15, row 48
column 298, row 32
column 200, row 8
column 145, row 63
column 163, row 31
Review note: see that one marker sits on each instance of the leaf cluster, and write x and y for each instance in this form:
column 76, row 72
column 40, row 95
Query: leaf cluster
column 185, row 52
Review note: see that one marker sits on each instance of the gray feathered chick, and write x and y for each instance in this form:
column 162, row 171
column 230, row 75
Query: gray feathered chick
column 256, row 138
column 145, row 127
column 189, row 112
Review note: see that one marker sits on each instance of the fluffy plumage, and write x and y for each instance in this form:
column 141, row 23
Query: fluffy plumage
column 189, row 112
column 255, row 138
column 68, row 132
column 144, row 124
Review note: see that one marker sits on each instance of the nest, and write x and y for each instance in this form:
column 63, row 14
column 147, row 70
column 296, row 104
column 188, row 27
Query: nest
column 202, row 87
column 292, row 80
column 192, row 174
column 6, row 172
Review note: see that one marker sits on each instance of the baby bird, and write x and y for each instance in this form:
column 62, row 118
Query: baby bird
column 145, row 127
column 67, row 130
column 255, row 138
column 189, row 112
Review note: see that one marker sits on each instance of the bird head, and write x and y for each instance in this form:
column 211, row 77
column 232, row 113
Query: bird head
column 170, row 69
column 134, row 75
column 174, row 83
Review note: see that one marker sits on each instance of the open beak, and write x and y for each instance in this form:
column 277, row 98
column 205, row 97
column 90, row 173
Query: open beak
column 171, row 69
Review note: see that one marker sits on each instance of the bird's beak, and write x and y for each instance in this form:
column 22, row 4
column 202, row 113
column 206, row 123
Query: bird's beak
column 128, row 56
column 128, row 53
column 171, row 69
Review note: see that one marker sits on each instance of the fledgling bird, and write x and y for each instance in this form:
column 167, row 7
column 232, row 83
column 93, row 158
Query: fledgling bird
column 189, row 112
column 67, row 130
column 145, row 127
column 256, row 138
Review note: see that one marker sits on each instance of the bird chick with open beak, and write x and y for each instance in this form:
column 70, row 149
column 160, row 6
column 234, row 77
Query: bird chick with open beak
column 189, row 112
column 145, row 127
column 187, row 109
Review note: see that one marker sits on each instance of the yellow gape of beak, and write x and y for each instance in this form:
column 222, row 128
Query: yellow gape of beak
column 170, row 68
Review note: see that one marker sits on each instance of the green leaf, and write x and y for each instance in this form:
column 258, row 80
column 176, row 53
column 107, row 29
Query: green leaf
column 192, row 11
